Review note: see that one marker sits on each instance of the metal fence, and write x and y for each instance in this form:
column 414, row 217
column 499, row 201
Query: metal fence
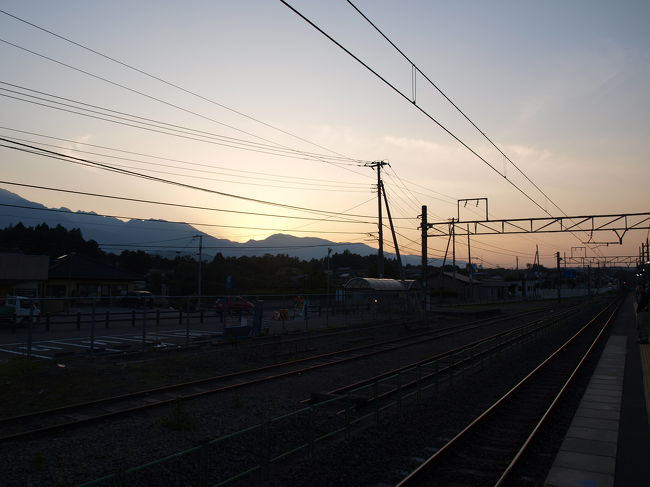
column 144, row 318
column 256, row 449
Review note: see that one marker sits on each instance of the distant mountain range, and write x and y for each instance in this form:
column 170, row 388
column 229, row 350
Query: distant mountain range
column 168, row 239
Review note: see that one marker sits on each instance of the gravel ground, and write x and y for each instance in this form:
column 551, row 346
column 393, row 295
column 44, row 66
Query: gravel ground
column 86, row 453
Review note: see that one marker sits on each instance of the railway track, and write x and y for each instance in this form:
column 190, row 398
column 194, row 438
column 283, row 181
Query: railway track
column 488, row 450
column 46, row 421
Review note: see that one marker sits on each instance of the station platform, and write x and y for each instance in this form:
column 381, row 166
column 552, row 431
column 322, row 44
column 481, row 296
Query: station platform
column 608, row 442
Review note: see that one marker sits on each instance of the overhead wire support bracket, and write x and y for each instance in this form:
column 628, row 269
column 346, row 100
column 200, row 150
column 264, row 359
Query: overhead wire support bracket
column 626, row 260
column 472, row 200
column 620, row 224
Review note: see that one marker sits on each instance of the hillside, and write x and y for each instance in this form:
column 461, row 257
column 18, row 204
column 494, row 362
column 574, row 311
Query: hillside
column 160, row 236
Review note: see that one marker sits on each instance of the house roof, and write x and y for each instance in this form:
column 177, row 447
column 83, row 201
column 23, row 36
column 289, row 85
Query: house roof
column 21, row 267
column 73, row 266
column 381, row 284
column 461, row 277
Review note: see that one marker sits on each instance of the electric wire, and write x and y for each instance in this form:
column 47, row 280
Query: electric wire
column 234, row 248
column 178, row 205
column 119, row 115
column 122, row 151
column 95, row 214
column 169, row 83
column 401, row 185
column 419, row 108
column 405, row 199
column 206, row 178
column 163, row 131
column 56, row 155
column 492, row 143
column 304, row 185
column 413, row 102
column 455, row 106
column 148, row 96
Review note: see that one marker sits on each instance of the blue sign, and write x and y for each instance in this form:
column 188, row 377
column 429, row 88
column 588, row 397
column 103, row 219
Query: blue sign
column 228, row 282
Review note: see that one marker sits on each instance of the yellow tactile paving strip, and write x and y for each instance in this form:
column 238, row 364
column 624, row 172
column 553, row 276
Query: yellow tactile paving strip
column 645, row 365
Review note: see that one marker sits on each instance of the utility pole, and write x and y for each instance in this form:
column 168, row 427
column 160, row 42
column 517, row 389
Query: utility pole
column 380, row 224
column 200, row 280
column 559, row 275
column 423, row 263
column 469, row 258
column 329, row 251
column 380, row 256
column 392, row 231
column 453, row 248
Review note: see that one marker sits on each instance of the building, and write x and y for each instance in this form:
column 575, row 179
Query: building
column 22, row 275
column 383, row 294
column 453, row 285
column 76, row 276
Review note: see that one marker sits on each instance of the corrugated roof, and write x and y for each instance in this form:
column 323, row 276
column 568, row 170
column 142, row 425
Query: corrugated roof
column 75, row 266
column 461, row 277
column 380, row 284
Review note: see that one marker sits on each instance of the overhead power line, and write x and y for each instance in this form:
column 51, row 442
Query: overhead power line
column 418, row 70
column 165, row 130
column 95, row 214
column 174, row 85
column 101, row 78
column 86, row 162
column 99, row 112
column 177, row 205
column 210, row 166
column 238, row 247
column 303, row 185
column 311, row 187
column 413, row 102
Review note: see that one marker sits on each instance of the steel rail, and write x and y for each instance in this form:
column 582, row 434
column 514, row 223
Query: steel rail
column 551, row 408
column 105, row 405
column 422, row 472
column 385, row 375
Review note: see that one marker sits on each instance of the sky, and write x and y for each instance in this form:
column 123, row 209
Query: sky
column 285, row 116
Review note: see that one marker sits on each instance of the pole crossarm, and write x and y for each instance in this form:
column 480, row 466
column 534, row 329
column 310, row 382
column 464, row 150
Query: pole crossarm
column 620, row 224
column 626, row 260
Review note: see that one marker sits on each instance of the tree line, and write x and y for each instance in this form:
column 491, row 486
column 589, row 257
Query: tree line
column 179, row 275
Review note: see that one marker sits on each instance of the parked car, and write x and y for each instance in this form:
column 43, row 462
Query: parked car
column 18, row 309
column 138, row 299
column 234, row 304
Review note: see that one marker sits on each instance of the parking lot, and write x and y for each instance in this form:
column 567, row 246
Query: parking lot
column 65, row 347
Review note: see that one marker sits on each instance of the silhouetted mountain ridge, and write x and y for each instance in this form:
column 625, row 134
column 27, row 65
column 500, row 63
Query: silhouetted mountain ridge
column 166, row 238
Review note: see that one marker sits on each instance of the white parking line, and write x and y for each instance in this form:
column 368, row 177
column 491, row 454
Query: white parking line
column 179, row 334
column 135, row 339
column 82, row 346
column 40, row 348
column 97, row 342
column 148, row 340
column 112, row 340
column 24, row 353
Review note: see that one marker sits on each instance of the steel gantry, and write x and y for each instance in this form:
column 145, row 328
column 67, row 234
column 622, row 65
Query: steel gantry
column 615, row 260
column 620, row 224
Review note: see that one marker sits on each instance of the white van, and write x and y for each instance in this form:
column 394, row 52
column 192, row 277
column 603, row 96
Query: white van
column 19, row 308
